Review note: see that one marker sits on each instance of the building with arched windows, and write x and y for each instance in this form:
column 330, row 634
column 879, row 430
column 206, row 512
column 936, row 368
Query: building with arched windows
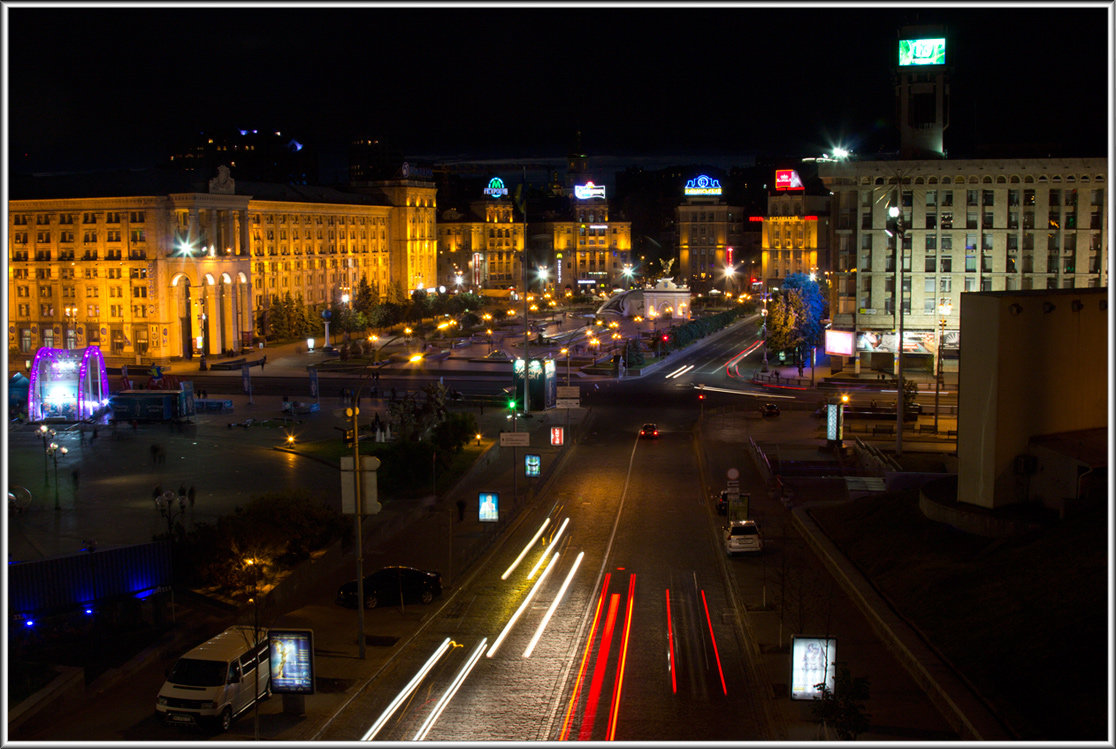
column 151, row 266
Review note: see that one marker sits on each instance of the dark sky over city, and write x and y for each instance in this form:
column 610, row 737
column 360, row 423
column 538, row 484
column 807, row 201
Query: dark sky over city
column 94, row 86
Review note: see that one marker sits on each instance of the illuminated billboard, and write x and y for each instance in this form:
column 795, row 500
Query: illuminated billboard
column 488, row 508
column 702, row 185
column 588, row 190
column 839, row 342
column 921, row 52
column 788, row 179
column 813, row 662
column 292, row 661
column 496, row 188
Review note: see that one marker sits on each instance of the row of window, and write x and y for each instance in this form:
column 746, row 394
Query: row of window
column 64, row 219
column 92, row 311
column 87, row 237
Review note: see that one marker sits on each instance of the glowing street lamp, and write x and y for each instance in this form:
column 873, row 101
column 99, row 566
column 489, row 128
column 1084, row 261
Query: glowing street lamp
column 53, row 450
column 944, row 310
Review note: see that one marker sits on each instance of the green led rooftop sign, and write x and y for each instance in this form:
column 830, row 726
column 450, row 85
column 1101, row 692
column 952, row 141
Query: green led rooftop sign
column 496, row 188
column 921, row 52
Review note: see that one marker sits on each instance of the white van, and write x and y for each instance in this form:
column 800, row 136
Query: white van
column 214, row 682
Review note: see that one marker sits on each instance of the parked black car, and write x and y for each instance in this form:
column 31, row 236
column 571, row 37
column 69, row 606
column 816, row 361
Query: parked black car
column 385, row 586
column 769, row 409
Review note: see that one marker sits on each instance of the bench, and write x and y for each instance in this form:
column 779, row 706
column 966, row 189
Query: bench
column 234, row 364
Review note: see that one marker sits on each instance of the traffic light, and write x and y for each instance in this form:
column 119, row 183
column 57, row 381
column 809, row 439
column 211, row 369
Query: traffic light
column 348, row 437
column 701, row 396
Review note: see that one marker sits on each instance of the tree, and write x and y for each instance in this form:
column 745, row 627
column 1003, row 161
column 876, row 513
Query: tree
column 784, row 317
column 365, row 298
column 814, row 310
column 843, row 707
column 633, row 353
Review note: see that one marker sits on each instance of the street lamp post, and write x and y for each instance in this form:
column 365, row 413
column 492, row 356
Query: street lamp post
column 944, row 309
column 165, row 503
column 566, row 351
column 54, row 451
column 47, row 434
column 253, row 563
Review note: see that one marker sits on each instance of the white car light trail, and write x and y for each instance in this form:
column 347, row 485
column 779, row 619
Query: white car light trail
column 522, row 607
column 526, row 548
column 553, row 543
column 458, row 680
column 680, row 371
column 407, row 690
column 553, row 607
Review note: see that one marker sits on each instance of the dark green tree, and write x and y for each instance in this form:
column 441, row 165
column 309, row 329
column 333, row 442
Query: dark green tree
column 633, row 353
column 843, row 708
column 784, row 317
column 366, row 298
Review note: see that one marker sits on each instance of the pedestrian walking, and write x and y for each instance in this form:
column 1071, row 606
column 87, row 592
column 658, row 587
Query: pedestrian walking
column 158, row 490
column 182, row 490
column 154, row 453
column 94, row 437
column 75, row 477
column 135, row 425
column 190, row 495
column 460, row 510
column 263, row 361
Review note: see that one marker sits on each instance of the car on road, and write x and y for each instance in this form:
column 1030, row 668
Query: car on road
column 769, row 409
column 391, row 584
column 649, row 431
column 742, row 536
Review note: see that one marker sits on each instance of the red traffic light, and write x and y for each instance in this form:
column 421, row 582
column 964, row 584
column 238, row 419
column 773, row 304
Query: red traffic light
column 665, row 338
column 701, row 396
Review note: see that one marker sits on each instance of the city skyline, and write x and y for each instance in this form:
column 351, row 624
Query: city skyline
column 101, row 87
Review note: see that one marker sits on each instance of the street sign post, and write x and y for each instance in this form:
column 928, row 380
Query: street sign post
column 515, row 439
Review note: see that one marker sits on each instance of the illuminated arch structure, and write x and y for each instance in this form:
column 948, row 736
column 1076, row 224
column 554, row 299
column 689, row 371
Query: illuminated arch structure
column 67, row 384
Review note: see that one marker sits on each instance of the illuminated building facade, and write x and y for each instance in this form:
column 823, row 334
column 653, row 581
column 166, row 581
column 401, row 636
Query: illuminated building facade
column 968, row 225
column 150, row 276
column 795, row 236
column 710, row 234
column 484, row 246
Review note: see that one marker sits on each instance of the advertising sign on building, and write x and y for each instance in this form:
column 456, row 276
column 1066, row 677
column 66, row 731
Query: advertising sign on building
column 496, row 188
column 702, row 185
column 921, row 52
column 557, row 436
column 292, row 660
column 588, row 190
column 813, row 662
column 788, row 179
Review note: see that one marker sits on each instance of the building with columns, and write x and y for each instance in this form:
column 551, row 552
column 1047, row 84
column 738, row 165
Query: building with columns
column 153, row 267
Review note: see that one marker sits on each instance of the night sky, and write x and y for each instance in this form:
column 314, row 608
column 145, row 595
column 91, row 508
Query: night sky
column 94, row 87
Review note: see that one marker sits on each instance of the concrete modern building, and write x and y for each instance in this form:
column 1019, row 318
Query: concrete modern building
column 1033, row 397
column 154, row 267
column 963, row 226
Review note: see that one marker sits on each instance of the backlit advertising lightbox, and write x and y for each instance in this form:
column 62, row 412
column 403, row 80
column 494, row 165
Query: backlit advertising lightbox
column 488, row 510
column 813, row 662
column 788, row 179
column 921, row 52
column 292, row 660
column 841, row 342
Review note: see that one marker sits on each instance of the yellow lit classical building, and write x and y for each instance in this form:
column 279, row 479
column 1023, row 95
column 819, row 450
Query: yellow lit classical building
column 796, row 236
column 710, row 233
column 153, row 268
column 483, row 247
